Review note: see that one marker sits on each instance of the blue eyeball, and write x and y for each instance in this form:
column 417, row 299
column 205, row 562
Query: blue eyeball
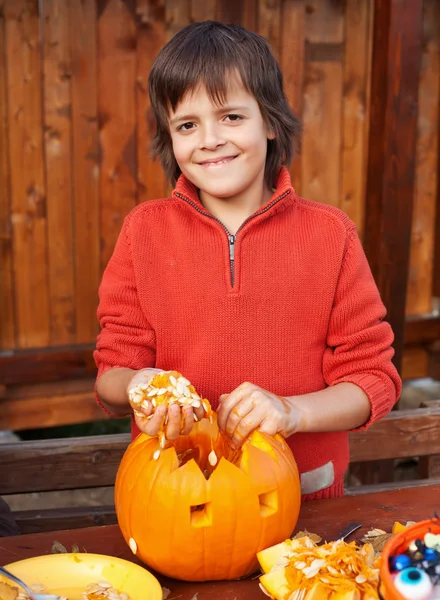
column 413, row 584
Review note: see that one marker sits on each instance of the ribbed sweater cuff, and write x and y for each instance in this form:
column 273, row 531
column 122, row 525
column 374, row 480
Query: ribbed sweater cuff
column 334, row 491
column 377, row 393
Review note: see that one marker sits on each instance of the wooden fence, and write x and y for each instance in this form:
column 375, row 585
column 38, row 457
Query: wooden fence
column 75, row 127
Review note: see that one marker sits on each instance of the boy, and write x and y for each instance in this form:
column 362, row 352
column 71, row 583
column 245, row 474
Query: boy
column 263, row 300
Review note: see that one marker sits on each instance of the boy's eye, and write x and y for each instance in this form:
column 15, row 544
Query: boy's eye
column 185, row 126
column 234, row 118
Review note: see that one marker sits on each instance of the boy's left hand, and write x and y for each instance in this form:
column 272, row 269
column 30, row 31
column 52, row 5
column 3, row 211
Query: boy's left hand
column 251, row 407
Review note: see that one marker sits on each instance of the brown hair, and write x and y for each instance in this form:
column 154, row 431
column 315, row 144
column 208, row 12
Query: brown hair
column 206, row 53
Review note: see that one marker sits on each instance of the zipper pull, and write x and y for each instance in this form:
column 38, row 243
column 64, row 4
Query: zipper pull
column 231, row 247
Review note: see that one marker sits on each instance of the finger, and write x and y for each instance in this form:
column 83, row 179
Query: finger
column 227, row 404
column 188, row 420
column 247, row 425
column 199, row 412
column 151, row 426
column 172, row 429
column 144, row 409
column 240, row 410
column 267, row 426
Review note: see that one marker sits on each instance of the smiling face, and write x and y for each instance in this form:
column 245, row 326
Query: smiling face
column 221, row 148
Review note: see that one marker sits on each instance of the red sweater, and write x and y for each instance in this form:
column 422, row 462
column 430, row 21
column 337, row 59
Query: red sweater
column 296, row 309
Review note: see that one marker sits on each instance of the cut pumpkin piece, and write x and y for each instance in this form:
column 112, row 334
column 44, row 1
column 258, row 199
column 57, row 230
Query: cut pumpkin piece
column 318, row 592
column 276, row 584
column 273, row 556
column 347, row 595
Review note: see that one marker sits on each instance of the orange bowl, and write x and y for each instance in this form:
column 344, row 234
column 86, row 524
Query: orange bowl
column 398, row 544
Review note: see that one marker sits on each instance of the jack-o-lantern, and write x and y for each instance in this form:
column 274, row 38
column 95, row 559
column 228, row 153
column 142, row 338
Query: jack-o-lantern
column 193, row 518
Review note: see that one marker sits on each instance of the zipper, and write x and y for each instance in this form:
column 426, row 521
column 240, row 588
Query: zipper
column 232, row 238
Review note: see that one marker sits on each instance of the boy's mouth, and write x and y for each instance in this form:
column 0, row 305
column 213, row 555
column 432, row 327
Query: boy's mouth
column 217, row 162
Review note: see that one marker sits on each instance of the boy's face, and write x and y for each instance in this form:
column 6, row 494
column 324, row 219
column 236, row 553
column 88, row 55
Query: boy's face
column 221, row 149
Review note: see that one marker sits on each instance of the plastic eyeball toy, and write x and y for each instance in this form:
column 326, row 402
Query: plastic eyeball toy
column 413, row 584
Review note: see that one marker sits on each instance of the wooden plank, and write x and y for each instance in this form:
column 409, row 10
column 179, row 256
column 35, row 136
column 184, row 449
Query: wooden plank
column 321, row 146
column 117, row 115
column 420, row 283
column 422, row 329
column 324, row 21
column 202, row 10
column 250, row 14
column 177, row 16
column 57, row 146
column 229, row 12
column 85, row 165
column 357, row 60
column 50, row 405
column 50, row 364
column 61, row 464
column 269, row 23
column 320, row 153
column 389, row 487
column 402, row 433
column 415, row 363
column 7, row 309
column 391, row 164
column 292, row 66
column 56, row 519
column 151, row 180
column 28, row 192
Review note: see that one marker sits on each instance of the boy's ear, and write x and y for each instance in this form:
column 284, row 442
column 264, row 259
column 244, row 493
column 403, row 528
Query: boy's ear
column 271, row 135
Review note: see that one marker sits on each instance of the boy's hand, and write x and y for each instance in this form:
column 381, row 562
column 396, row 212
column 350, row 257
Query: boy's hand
column 251, row 407
column 180, row 419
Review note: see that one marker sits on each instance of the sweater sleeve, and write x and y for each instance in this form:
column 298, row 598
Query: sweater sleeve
column 126, row 338
column 359, row 342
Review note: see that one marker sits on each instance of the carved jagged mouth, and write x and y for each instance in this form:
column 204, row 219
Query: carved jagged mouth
column 209, row 456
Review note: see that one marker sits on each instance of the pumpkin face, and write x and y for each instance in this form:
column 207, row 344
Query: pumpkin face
column 191, row 520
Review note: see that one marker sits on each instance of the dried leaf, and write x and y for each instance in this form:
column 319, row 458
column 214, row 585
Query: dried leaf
column 379, row 542
column 313, row 536
column 75, row 548
column 58, row 548
column 166, row 592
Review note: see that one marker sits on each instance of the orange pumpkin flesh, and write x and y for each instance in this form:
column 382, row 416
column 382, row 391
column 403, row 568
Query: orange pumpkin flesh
column 190, row 520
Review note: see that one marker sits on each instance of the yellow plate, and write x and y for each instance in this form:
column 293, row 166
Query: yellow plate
column 69, row 575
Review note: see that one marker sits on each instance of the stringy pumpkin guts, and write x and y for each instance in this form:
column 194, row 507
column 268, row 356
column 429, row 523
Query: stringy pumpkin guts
column 299, row 569
column 168, row 387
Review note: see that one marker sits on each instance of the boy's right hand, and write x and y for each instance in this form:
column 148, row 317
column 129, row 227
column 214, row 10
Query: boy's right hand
column 180, row 419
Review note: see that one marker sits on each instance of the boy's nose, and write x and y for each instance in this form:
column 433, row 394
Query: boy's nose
column 211, row 138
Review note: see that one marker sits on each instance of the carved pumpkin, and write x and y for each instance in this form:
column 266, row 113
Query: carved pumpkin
column 192, row 520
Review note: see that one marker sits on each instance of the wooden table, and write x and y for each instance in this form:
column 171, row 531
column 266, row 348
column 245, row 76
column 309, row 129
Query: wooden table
column 325, row 517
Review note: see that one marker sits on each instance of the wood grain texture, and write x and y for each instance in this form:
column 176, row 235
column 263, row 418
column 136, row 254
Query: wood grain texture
column 117, row 54
column 420, row 278
column 391, row 163
column 151, row 180
column 320, row 151
column 203, row 10
column 50, row 364
column 55, row 519
column 57, row 159
column 402, row 433
column 292, row 65
column 7, row 303
column 269, row 23
column 354, row 144
column 61, row 464
column 49, row 405
column 85, row 166
column 177, row 16
column 28, row 193
column 326, row 518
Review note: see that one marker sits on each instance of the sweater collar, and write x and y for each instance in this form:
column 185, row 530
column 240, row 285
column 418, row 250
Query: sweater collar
column 283, row 190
